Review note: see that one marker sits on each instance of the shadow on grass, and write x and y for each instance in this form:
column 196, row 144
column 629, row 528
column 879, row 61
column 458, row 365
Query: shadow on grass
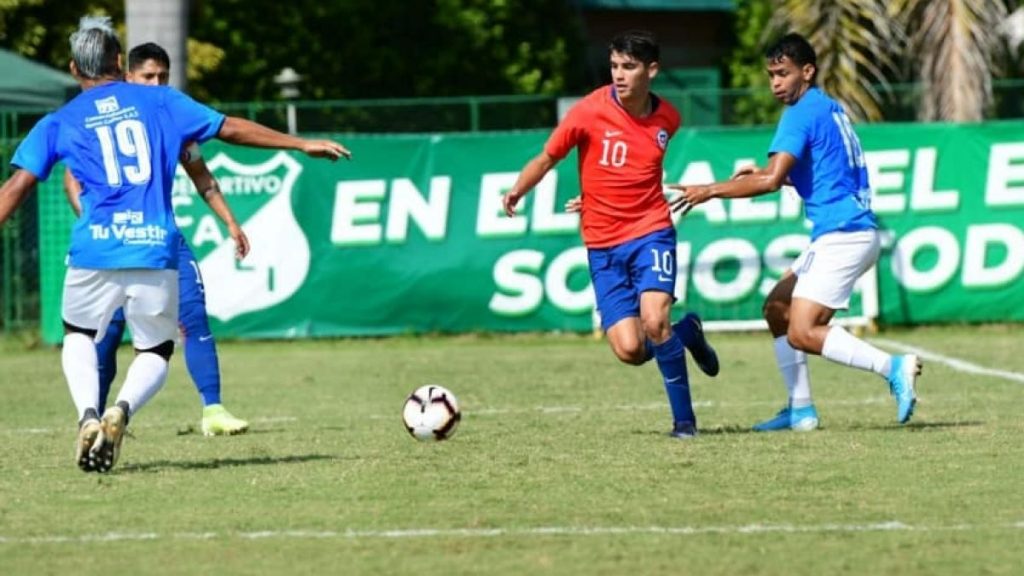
column 716, row 431
column 195, row 430
column 921, row 426
column 912, row 426
column 159, row 465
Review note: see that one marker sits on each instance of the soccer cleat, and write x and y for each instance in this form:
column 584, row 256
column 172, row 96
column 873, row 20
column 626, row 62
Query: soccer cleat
column 691, row 331
column 684, row 430
column 88, row 432
column 217, row 421
column 802, row 419
column 903, row 373
column 112, row 428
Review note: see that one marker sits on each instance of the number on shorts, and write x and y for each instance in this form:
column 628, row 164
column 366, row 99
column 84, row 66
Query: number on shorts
column 663, row 263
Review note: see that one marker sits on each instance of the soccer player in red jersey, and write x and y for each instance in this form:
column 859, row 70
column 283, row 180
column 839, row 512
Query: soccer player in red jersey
column 622, row 131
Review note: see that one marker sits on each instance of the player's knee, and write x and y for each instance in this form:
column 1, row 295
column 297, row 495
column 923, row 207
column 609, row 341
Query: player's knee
column 163, row 350
column 72, row 329
column 799, row 338
column 629, row 352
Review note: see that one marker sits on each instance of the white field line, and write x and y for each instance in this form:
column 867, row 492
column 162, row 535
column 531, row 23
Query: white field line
column 954, row 363
column 569, row 531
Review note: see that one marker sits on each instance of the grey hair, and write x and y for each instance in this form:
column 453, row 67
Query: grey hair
column 95, row 48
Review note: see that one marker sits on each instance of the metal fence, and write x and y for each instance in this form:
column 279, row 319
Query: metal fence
column 19, row 244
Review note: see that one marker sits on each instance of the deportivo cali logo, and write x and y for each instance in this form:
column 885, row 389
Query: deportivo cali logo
column 261, row 198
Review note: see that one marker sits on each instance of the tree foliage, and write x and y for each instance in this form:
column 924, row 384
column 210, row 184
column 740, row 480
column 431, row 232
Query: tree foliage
column 351, row 49
column 866, row 46
column 746, row 67
column 39, row 29
column 373, row 49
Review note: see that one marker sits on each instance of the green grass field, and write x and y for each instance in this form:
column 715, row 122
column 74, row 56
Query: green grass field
column 561, row 465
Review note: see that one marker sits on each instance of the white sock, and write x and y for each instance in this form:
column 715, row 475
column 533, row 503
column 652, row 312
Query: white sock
column 793, row 366
column 844, row 348
column 146, row 375
column 78, row 358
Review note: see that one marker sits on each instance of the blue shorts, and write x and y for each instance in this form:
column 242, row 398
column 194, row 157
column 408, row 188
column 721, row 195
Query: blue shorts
column 621, row 273
column 191, row 293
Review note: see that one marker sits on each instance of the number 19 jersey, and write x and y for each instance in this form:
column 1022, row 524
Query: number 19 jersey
column 122, row 142
column 620, row 166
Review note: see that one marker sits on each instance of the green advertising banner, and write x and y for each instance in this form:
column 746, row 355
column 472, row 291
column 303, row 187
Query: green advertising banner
column 409, row 236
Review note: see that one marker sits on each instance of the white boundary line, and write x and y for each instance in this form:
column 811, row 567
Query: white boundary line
column 426, row 533
column 954, row 363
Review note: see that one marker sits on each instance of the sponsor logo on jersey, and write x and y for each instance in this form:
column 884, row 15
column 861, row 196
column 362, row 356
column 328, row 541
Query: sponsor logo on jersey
column 129, row 226
column 107, row 105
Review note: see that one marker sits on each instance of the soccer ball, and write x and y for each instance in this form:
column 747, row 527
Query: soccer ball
column 431, row 413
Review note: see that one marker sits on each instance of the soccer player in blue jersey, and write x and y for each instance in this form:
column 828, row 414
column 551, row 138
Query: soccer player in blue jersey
column 149, row 64
column 122, row 142
column 816, row 149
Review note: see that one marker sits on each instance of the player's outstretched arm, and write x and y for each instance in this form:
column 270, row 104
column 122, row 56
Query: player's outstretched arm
column 529, row 177
column 209, row 190
column 247, row 133
column 749, row 183
column 14, row 192
column 73, row 189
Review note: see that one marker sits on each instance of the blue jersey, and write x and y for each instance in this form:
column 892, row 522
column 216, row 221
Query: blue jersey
column 829, row 174
column 121, row 142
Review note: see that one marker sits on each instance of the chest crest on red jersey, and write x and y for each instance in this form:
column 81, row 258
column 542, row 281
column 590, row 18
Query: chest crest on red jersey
column 662, row 138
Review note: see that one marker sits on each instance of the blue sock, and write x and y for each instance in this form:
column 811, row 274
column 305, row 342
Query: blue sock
column 204, row 367
column 106, row 355
column 684, row 330
column 201, row 354
column 672, row 363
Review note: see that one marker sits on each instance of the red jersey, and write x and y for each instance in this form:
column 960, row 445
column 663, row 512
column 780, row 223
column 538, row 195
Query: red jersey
column 620, row 164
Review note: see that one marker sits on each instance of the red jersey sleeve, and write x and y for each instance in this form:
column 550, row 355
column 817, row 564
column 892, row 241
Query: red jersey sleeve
column 567, row 134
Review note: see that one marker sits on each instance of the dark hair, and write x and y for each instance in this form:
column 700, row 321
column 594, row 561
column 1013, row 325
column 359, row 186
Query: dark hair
column 640, row 44
column 148, row 51
column 797, row 49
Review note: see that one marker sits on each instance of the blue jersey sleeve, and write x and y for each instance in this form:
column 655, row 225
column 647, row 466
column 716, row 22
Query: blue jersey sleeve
column 792, row 135
column 197, row 123
column 37, row 153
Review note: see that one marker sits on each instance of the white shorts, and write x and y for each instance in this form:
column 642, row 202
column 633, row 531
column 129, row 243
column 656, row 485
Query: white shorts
column 828, row 269
column 149, row 298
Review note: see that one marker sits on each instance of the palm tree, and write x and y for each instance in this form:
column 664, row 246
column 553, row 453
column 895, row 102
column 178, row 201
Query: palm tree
column 956, row 49
column 948, row 45
column 855, row 42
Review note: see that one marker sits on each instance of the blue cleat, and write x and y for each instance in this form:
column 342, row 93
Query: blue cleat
column 802, row 419
column 903, row 374
column 684, row 430
column 691, row 331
